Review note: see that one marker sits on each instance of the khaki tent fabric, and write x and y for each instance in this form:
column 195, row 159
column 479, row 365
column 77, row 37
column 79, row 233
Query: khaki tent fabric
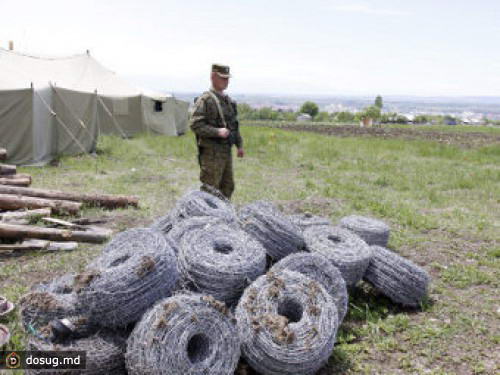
column 78, row 129
column 16, row 132
column 59, row 106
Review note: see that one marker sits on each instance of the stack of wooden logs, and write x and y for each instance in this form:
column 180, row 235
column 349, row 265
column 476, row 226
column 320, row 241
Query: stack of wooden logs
column 20, row 206
column 8, row 175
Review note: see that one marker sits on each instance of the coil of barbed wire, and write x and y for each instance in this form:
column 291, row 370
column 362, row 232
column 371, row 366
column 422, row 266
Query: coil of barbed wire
column 60, row 285
column 320, row 269
column 38, row 308
column 398, row 278
column 306, row 220
column 119, row 285
column 288, row 324
column 184, row 334
column 164, row 223
column 372, row 231
column 279, row 236
column 193, row 223
column 139, row 239
column 104, row 353
column 220, row 261
column 345, row 249
column 201, row 203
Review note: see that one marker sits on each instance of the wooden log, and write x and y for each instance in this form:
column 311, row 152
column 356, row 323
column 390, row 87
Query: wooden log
column 44, row 245
column 7, row 169
column 103, row 200
column 18, row 175
column 15, row 202
column 3, row 154
column 87, row 221
column 18, row 221
column 52, row 234
column 24, row 182
column 63, row 223
column 25, row 246
column 26, row 214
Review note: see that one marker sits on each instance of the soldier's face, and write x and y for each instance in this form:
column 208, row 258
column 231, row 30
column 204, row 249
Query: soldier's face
column 219, row 83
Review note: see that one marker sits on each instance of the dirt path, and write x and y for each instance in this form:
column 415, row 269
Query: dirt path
column 462, row 139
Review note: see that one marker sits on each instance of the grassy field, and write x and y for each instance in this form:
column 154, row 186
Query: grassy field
column 437, row 128
column 442, row 202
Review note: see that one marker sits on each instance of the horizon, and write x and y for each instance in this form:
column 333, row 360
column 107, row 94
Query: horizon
column 322, row 48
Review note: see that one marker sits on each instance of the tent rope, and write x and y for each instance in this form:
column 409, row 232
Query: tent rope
column 80, row 121
column 106, row 109
column 53, row 113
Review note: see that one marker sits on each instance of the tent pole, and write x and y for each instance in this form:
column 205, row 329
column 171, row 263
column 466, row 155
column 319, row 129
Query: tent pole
column 82, row 124
column 61, row 122
column 106, row 109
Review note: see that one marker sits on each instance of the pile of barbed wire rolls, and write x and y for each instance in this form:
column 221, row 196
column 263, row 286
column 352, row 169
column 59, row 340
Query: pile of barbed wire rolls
column 206, row 285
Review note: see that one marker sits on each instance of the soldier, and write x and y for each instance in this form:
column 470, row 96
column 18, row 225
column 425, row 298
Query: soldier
column 214, row 121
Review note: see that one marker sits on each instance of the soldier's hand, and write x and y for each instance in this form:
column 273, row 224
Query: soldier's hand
column 223, row 132
column 240, row 153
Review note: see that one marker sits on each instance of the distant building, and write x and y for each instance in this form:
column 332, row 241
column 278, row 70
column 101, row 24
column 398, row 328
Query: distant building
column 304, row 117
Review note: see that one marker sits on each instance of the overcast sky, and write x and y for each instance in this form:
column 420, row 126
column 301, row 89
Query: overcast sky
column 331, row 47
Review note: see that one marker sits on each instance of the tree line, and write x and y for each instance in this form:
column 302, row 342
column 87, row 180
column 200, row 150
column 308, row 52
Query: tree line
column 246, row 112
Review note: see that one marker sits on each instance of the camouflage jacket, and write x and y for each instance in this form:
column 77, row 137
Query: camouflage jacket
column 205, row 120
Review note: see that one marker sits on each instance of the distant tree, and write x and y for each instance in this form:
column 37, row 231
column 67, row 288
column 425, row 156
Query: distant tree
column 400, row 119
column 310, row 108
column 421, row 119
column 289, row 116
column 246, row 112
column 379, row 102
column 450, row 120
column 322, row 117
column 388, row 118
column 344, row 116
column 372, row 112
column 267, row 113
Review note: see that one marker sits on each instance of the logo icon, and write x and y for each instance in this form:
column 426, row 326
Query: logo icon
column 12, row 360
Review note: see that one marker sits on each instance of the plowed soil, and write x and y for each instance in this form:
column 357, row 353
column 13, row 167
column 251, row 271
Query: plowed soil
column 461, row 139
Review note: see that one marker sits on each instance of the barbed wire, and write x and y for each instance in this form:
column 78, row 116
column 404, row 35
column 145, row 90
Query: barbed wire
column 398, row 278
column 221, row 261
column 345, row 249
column 372, row 231
column 104, row 352
column 127, row 279
column 279, row 236
column 318, row 267
column 201, row 203
column 288, row 324
column 303, row 221
column 184, row 334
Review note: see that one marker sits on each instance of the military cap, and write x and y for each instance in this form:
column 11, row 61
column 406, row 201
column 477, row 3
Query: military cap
column 221, row 70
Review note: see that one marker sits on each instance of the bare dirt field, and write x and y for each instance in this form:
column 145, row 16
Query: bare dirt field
column 462, row 139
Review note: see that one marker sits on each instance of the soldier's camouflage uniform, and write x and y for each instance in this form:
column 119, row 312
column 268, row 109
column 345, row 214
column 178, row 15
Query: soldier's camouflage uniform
column 214, row 153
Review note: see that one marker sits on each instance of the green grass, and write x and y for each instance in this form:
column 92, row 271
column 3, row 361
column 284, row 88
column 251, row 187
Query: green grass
column 442, row 202
column 494, row 130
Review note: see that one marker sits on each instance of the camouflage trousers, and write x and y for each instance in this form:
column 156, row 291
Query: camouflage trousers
column 216, row 169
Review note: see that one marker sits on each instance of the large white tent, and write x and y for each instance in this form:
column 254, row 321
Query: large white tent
column 56, row 106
